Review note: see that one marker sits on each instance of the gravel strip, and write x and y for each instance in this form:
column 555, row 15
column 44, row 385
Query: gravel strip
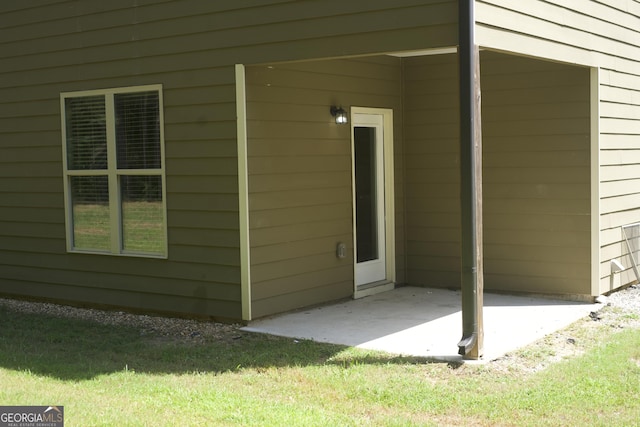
column 168, row 328
column 627, row 299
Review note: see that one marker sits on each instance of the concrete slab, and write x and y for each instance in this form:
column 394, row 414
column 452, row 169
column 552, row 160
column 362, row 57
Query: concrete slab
column 425, row 322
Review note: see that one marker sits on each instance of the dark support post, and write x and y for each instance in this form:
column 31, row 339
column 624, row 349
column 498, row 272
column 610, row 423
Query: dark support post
column 471, row 344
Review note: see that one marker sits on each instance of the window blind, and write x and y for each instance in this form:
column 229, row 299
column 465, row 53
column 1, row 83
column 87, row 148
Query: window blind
column 86, row 133
column 137, row 118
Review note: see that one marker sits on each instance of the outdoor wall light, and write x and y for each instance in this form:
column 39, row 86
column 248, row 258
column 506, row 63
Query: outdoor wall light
column 339, row 114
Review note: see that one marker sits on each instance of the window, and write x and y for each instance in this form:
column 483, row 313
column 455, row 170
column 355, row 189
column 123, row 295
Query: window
column 114, row 178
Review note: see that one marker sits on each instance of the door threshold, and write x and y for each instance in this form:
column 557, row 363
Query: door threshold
column 373, row 288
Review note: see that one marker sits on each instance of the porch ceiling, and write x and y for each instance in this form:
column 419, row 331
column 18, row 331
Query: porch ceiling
column 425, row 52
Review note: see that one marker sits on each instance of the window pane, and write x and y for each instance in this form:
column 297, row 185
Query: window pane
column 90, row 201
column 138, row 130
column 86, row 133
column 142, row 214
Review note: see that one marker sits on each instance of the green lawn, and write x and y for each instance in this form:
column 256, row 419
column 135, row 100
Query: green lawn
column 91, row 227
column 142, row 226
column 116, row 376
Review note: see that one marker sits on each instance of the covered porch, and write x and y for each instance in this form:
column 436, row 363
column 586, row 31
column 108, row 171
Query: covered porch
column 537, row 145
column 537, row 219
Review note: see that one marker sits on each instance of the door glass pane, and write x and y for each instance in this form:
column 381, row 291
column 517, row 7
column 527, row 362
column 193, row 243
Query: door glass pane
column 366, row 203
column 142, row 214
column 91, row 224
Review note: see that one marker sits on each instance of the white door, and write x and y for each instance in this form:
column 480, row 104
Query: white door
column 370, row 230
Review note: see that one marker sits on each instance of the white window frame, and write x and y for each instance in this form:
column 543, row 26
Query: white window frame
column 113, row 174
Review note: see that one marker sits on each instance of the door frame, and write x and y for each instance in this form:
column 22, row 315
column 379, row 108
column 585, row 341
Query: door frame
column 388, row 282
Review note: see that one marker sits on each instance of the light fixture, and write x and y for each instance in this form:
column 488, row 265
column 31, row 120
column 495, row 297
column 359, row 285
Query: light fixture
column 339, row 114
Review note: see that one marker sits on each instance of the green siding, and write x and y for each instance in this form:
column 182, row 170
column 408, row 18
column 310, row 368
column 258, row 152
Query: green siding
column 538, row 188
column 432, row 183
column 536, row 183
column 190, row 47
column 606, row 35
column 300, row 175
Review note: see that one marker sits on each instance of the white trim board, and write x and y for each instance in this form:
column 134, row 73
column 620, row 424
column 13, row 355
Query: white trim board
column 243, row 192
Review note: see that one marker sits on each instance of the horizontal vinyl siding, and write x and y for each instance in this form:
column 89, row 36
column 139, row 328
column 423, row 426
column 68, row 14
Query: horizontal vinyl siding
column 536, row 188
column 536, row 175
column 190, row 47
column 619, row 170
column 604, row 34
column 432, row 174
column 586, row 32
column 212, row 33
column 202, row 273
column 299, row 165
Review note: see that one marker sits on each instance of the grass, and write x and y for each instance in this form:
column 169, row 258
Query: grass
column 114, row 376
column 142, row 226
column 91, row 226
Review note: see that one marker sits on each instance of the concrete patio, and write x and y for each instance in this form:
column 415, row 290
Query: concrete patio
column 426, row 322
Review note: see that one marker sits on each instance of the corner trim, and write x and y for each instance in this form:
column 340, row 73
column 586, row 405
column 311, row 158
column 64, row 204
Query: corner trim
column 243, row 192
column 595, row 180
